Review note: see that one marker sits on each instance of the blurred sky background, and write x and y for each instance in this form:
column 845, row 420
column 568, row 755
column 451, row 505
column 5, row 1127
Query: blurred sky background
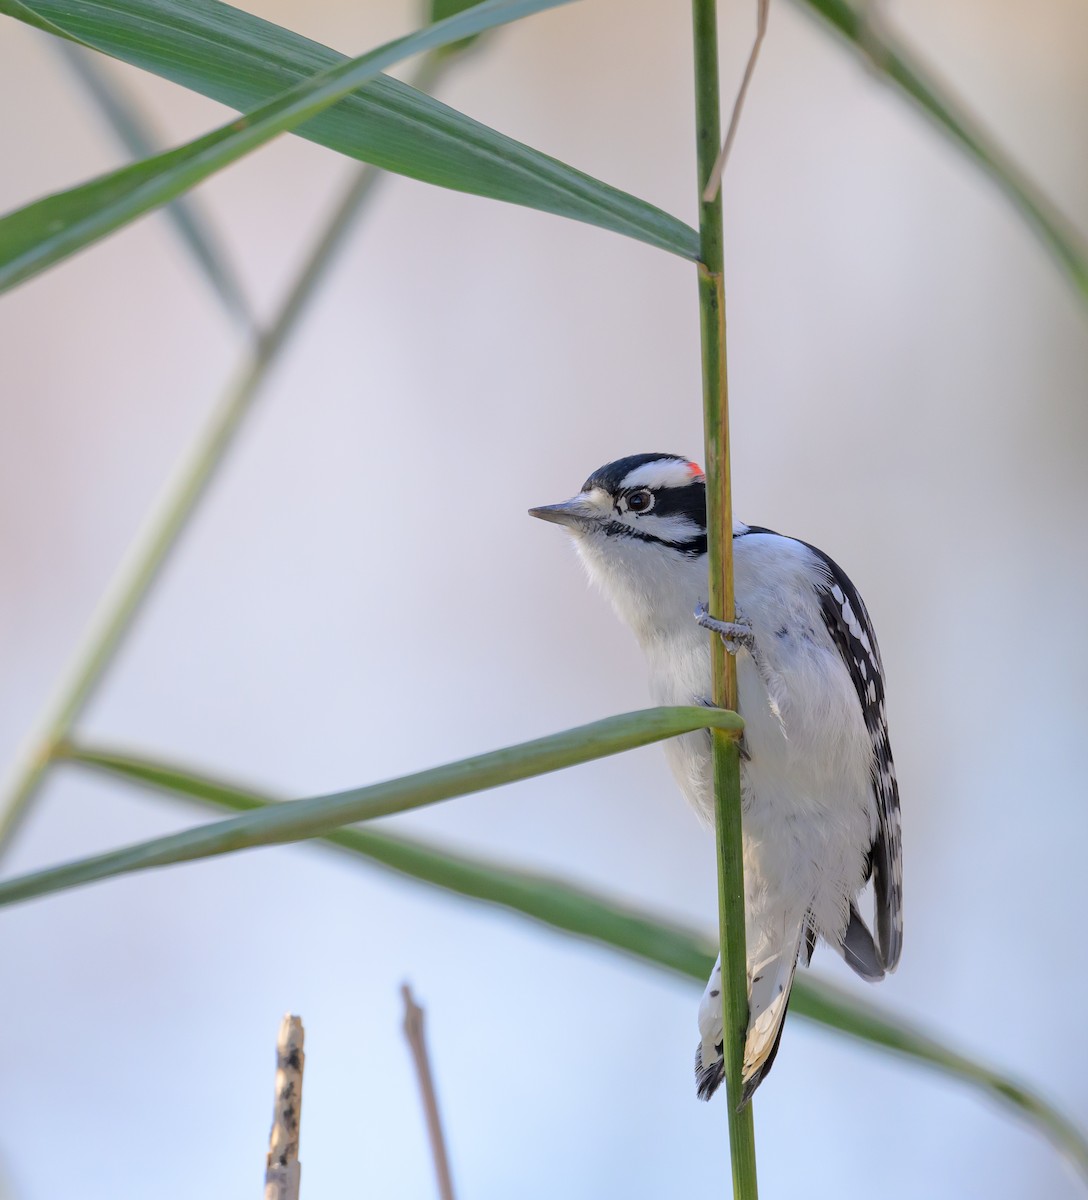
column 362, row 595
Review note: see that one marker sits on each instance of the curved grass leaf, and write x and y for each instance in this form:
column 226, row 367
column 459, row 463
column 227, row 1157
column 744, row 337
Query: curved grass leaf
column 134, row 134
column 242, row 61
column 896, row 65
column 295, row 820
column 141, row 566
column 439, row 10
column 643, row 936
column 246, row 63
column 43, row 233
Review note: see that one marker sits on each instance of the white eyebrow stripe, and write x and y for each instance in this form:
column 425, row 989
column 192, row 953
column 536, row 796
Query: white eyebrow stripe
column 659, row 474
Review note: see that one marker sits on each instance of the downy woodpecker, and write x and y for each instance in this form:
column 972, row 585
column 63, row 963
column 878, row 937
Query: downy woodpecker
column 820, row 802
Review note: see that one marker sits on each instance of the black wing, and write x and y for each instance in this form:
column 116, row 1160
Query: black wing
column 852, row 631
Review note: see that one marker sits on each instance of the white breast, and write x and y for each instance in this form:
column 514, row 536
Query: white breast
column 809, row 811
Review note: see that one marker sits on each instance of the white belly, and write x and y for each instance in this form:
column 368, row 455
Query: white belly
column 808, row 807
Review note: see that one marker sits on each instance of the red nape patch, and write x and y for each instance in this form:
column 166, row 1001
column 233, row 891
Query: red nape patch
column 695, row 470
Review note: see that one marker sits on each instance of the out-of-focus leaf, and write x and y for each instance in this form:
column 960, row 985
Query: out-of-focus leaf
column 43, row 233
column 590, row 916
column 132, row 131
column 909, row 77
column 245, row 62
column 441, row 9
column 242, row 61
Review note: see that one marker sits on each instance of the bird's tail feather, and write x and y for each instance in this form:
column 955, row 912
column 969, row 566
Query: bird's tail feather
column 769, row 984
column 768, row 998
column 858, row 949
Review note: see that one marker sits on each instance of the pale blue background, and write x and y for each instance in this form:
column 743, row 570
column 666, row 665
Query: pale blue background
column 363, row 595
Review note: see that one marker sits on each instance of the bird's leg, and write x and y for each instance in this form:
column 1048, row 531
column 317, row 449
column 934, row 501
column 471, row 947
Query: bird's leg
column 737, row 635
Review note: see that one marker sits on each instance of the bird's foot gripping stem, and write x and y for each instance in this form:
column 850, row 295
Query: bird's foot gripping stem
column 736, row 635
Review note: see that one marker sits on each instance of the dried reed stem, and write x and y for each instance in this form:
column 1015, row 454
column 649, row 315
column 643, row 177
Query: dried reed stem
column 417, row 1043
column 282, row 1175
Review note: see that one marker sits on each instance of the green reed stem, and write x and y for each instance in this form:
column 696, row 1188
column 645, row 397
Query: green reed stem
column 727, row 800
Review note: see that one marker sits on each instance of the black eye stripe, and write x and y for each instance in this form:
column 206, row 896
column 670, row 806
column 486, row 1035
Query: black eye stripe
column 688, row 501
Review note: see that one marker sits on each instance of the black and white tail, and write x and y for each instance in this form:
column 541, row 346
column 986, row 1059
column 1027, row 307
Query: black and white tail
column 769, row 984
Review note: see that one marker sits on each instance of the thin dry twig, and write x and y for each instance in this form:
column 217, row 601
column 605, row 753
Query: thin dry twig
column 710, row 192
column 417, row 1043
column 282, row 1175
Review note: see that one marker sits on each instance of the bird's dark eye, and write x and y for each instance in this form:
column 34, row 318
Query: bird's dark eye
column 641, row 501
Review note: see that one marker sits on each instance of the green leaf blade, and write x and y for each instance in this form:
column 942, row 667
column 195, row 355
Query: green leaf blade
column 645, row 937
column 296, row 820
column 245, row 62
column 133, row 133
column 1055, row 232
column 43, row 233
column 441, row 9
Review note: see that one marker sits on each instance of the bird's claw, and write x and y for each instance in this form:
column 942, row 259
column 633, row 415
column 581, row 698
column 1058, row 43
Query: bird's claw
column 742, row 745
column 736, row 635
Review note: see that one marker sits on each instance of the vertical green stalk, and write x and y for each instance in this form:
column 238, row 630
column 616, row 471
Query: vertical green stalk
column 727, row 800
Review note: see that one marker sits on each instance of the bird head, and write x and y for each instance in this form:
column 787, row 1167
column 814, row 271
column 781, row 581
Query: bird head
column 639, row 525
column 659, row 499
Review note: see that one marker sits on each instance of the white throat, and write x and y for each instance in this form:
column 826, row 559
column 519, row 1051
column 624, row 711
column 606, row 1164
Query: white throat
column 653, row 588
